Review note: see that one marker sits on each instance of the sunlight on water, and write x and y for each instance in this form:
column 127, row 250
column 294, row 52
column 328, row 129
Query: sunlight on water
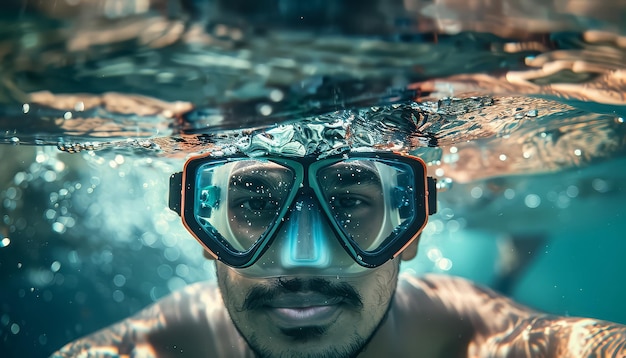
column 518, row 111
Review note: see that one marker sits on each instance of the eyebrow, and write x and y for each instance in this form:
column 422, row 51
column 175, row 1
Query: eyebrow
column 364, row 176
column 268, row 179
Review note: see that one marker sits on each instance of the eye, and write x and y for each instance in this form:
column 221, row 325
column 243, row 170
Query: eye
column 259, row 204
column 346, row 202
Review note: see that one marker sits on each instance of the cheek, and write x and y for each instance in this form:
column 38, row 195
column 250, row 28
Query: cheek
column 377, row 289
column 231, row 285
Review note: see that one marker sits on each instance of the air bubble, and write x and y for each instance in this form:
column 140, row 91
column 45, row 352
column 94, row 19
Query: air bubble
column 434, row 254
column 119, row 280
column 176, row 283
column 41, row 157
column 476, row 192
column 118, row 296
column 265, row 109
column 447, row 213
column 572, row 191
column 171, row 254
column 165, row 271
column 453, row 226
column 450, row 158
column 445, row 264
column 182, row 270
column 532, row 200
column 444, row 184
column 600, row 185
column 5, row 242
column 563, row 201
column 11, row 193
column 58, row 227
column 19, row 178
column 49, row 176
column 276, row 95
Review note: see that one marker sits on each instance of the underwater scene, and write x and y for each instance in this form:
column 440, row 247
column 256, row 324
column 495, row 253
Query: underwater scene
column 518, row 109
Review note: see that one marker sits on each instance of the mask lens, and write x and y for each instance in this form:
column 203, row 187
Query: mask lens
column 240, row 201
column 371, row 200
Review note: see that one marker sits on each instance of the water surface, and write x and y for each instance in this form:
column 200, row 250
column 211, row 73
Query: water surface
column 518, row 107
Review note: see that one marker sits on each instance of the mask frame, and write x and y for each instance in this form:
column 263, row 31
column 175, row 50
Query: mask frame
column 183, row 192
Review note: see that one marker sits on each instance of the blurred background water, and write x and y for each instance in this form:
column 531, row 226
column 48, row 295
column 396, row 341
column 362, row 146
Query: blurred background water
column 518, row 107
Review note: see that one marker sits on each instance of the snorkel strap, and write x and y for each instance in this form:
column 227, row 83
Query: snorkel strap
column 176, row 189
column 431, row 186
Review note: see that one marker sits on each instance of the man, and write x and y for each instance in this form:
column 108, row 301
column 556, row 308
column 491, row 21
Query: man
column 308, row 229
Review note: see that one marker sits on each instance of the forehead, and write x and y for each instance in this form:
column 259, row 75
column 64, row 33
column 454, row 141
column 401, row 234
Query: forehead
column 340, row 166
column 339, row 173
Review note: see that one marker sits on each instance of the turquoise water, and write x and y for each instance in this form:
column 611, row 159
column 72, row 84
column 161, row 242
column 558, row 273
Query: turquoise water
column 519, row 110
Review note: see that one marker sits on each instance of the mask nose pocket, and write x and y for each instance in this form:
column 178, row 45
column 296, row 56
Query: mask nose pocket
column 305, row 242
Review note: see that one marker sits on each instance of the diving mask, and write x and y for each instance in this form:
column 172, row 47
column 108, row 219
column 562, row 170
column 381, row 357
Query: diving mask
column 274, row 216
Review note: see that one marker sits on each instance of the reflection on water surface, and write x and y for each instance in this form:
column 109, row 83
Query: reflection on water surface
column 520, row 105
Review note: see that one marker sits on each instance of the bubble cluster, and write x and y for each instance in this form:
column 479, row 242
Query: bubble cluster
column 441, row 263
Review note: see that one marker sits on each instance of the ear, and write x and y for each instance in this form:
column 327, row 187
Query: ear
column 411, row 251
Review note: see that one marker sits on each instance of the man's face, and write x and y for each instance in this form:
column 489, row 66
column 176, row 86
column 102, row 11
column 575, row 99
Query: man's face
column 308, row 316
column 303, row 298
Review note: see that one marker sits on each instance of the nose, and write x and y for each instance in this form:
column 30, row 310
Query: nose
column 307, row 238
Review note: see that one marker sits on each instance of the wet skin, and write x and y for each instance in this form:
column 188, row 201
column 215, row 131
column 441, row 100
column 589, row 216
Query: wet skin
column 432, row 316
column 322, row 316
column 304, row 313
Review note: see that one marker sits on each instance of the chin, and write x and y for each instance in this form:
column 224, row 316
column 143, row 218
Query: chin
column 315, row 348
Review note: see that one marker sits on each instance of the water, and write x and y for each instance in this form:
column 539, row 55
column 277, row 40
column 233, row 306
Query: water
column 519, row 110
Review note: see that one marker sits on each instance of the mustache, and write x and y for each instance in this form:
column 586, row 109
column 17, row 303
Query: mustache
column 259, row 296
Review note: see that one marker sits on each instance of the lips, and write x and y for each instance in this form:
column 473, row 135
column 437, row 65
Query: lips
column 303, row 309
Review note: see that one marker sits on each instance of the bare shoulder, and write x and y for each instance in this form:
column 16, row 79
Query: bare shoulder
column 454, row 312
column 463, row 298
column 496, row 326
column 192, row 322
